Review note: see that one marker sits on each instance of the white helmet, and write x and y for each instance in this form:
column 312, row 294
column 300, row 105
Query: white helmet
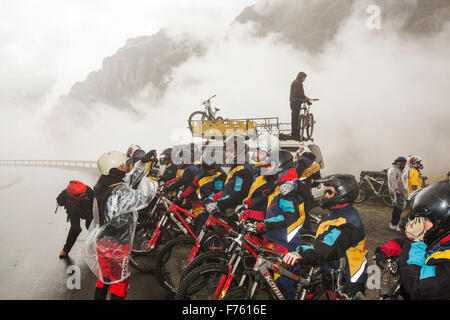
column 301, row 151
column 132, row 149
column 269, row 144
column 110, row 160
column 415, row 162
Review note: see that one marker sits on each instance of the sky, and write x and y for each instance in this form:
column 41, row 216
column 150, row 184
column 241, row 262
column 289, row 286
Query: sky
column 381, row 95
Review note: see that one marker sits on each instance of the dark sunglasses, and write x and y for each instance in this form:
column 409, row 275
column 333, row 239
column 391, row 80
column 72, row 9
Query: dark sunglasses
column 330, row 192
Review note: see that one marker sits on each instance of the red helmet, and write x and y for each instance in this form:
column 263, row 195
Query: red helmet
column 76, row 189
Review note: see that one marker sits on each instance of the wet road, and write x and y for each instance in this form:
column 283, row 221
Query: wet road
column 32, row 235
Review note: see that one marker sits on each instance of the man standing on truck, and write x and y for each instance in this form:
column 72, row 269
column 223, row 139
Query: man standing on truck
column 296, row 98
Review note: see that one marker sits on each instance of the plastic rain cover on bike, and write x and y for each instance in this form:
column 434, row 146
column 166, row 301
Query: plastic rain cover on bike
column 108, row 247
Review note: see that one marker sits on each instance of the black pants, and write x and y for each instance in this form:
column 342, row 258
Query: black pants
column 396, row 213
column 295, row 114
column 75, row 230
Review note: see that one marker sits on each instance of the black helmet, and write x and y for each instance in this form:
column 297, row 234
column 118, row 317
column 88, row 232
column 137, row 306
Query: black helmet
column 165, row 156
column 285, row 160
column 433, row 203
column 346, row 186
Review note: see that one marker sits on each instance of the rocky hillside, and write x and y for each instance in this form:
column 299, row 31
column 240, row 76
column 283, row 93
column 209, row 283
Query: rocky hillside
column 146, row 62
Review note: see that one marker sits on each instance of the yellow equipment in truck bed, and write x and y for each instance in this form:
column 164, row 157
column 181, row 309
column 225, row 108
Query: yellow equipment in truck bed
column 208, row 128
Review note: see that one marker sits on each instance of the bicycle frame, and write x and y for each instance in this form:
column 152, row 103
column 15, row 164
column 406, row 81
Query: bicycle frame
column 173, row 213
column 368, row 179
column 210, row 222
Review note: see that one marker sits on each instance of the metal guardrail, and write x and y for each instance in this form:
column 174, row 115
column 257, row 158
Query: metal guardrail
column 51, row 163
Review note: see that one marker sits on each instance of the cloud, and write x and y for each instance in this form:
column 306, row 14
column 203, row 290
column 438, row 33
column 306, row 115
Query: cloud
column 382, row 94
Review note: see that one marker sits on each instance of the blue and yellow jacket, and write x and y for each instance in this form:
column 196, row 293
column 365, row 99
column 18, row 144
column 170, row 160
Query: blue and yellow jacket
column 210, row 184
column 285, row 214
column 237, row 185
column 185, row 181
column 425, row 272
column 341, row 234
column 307, row 169
column 171, row 171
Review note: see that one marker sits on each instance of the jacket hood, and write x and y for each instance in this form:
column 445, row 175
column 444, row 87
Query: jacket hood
column 300, row 75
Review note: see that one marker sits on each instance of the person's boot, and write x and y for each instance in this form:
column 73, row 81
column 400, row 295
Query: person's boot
column 63, row 254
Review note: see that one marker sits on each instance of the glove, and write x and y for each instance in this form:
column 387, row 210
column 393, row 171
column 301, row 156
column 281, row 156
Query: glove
column 287, row 187
column 261, row 228
column 212, row 207
column 415, row 229
column 291, row 258
column 380, row 258
column 149, row 156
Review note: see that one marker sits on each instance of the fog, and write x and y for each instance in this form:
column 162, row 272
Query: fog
column 382, row 94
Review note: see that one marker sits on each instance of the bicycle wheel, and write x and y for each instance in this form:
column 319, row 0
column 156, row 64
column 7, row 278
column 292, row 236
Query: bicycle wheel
column 386, row 197
column 309, row 125
column 197, row 115
column 216, row 256
column 144, row 260
column 142, row 236
column 301, row 126
column 203, row 282
column 219, row 118
column 170, row 262
column 362, row 195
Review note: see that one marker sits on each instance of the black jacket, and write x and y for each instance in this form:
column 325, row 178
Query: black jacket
column 297, row 95
column 82, row 209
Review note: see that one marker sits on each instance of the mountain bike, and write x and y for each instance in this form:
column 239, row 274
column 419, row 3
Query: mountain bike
column 176, row 255
column 306, row 120
column 374, row 183
column 207, row 114
column 174, row 221
column 214, row 280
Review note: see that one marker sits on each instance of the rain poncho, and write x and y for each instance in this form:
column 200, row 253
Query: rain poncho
column 111, row 233
column 396, row 187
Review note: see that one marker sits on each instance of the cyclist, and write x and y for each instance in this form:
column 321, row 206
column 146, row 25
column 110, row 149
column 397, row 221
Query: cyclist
column 397, row 191
column 412, row 177
column 308, row 171
column 296, row 98
column 424, row 258
column 77, row 199
column 209, row 181
column 188, row 197
column 115, row 214
column 171, row 171
column 340, row 234
column 262, row 186
column 284, row 215
column 239, row 178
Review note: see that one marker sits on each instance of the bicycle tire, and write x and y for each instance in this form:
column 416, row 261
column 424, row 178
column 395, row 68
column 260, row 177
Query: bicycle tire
column 362, row 194
column 145, row 262
column 219, row 118
column 170, row 261
column 142, row 235
column 301, row 126
column 386, row 197
column 195, row 113
column 309, row 125
column 216, row 256
column 209, row 276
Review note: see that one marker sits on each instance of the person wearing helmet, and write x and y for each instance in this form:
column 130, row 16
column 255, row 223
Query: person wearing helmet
column 284, row 214
column 424, row 254
column 210, row 180
column 188, row 197
column 115, row 214
column 296, row 98
column 262, row 186
column 171, row 170
column 397, row 191
column 340, row 235
column 77, row 199
column 308, row 171
column 412, row 177
column 239, row 178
